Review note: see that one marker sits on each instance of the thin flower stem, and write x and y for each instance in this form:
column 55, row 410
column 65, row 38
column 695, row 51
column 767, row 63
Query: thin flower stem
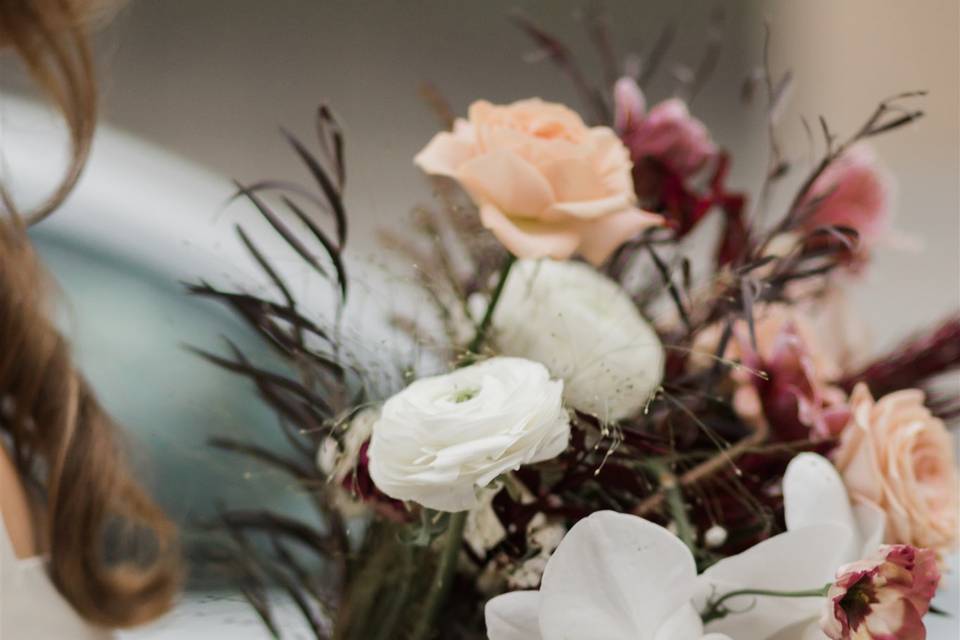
column 447, row 562
column 715, row 609
column 673, row 494
column 442, row 578
column 481, row 336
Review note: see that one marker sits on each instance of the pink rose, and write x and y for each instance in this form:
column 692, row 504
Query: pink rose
column 668, row 133
column 546, row 184
column 897, row 456
column 882, row 597
column 852, row 192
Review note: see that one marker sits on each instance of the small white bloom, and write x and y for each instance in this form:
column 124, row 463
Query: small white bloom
column 586, row 330
column 443, row 438
column 338, row 458
column 715, row 536
column 483, row 529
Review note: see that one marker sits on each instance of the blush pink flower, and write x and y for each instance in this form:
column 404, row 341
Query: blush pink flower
column 851, row 192
column 787, row 376
column 667, row 133
column 546, row 184
column 883, row 597
column 896, row 455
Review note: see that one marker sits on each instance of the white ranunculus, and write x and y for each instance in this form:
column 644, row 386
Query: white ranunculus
column 586, row 330
column 443, row 438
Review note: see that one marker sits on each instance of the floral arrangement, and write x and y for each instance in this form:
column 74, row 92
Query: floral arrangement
column 572, row 469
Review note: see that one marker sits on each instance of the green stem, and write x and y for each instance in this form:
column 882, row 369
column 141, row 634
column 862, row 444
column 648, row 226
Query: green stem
column 443, row 577
column 480, row 337
column 674, row 502
column 715, row 610
column 447, row 563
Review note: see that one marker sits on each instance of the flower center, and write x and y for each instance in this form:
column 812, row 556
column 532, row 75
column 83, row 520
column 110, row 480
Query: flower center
column 463, row 395
column 858, row 601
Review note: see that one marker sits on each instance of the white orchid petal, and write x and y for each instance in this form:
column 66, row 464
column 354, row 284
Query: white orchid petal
column 614, row 577
column 872, row 522
column 814, row 493
column 802, row 559
column 513, row 616
column 685, row 624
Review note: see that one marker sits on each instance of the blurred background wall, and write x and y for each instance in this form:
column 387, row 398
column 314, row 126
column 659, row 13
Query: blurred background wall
column 211, row 81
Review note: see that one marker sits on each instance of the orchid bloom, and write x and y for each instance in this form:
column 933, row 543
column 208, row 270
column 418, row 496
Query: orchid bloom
column 613, row 577
column 620, row 577
column 823, row 533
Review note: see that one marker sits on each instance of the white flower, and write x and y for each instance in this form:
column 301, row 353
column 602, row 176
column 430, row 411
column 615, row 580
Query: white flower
column 442, row 439
column 620, row 577
column 586, row 330
column 613, row 577
column 823, row 533
column 338, row 458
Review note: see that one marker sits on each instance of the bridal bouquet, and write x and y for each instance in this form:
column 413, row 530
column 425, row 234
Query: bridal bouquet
column 606, row 434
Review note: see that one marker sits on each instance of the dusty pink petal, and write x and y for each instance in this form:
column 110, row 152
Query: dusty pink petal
column 529, row 238
column 894, row 617
column 573, row 178
column 505, row 180
column 629, row 103
column 445, row 153
column 604, row 235
column 855, row 193
column 670, row 134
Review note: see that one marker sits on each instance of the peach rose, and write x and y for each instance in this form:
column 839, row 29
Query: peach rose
column 896, row 455
column 546, row 184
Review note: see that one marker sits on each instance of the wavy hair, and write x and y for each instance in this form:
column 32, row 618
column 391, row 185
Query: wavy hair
column 113, row 553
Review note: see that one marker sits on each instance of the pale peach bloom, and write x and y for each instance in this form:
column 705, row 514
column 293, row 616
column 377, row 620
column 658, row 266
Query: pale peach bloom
column 546, row 184
column 667, row 133
column 882, row 597
column 786, row 379
column 896, row 455
column 852, row 192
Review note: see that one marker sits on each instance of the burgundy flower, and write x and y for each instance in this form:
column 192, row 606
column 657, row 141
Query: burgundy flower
column 667, row 133
column 883, row 597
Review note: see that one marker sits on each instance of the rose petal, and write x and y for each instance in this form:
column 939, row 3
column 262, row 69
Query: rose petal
column 528, row 238
column 444, row 154
column 608, row 233
column 614, row 577
column 513, row 616
column 592, row 210
column 508, row 182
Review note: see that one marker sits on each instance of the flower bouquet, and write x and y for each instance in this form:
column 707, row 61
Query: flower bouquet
column 557, row 465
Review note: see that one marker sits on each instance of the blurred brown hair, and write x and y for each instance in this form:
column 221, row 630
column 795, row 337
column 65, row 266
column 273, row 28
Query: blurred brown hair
column 60, row 435
column 50, row 38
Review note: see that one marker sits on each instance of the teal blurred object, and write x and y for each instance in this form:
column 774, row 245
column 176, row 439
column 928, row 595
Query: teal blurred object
column 129, row 328
column 140, row 224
